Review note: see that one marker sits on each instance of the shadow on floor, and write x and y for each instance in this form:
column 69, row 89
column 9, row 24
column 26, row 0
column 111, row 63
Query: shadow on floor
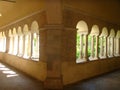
column 110, row 81
column 11, row 79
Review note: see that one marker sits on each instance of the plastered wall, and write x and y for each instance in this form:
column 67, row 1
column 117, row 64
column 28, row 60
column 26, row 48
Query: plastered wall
column 73, row 72
column 32, row 68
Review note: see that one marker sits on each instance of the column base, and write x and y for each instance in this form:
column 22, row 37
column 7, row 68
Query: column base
column 103, row 57
column 93, row 58
column 53, row 84
column 81, row 60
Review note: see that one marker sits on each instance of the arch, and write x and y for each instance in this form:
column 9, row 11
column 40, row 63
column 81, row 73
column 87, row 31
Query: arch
column 118, row 34
column 3, row 33
column 14, row 31
column 19, row 30
column 27, row 42
column 95, row 30
column 15, row 42
column 0, row 34
column 117, row 44
column 111, row 43
column 103, row 43
column 25, row 29
column 34, row 26
column 104, row 32
column 112, row 33
column 82, row 27
column 93, row 43
column 10, row 32
column 20, row 41
column 81, row 41
column 35, row 40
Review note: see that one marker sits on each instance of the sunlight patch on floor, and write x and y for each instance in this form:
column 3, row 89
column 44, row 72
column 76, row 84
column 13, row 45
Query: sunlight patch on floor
column 7, row 71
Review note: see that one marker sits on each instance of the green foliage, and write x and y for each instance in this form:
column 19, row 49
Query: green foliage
column 78, row 46
column 89, row 46
column 35, row 41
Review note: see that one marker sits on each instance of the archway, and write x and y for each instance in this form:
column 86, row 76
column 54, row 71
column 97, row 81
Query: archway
column 81, row 40
column 103, row 43
column 35, row 40
column 111, row 43
column 93, row 43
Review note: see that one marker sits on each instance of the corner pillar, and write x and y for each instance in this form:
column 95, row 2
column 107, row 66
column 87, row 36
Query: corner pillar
column 54, row 57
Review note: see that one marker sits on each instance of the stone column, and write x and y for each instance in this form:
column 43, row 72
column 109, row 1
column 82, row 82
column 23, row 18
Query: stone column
column 12, row 44
column 7, row 41
column 119, row 46
column 112, row 46
column 109, row 46
column 18, row 45
column 96, row 51
column 92, row 47
column 114, row 53
column 105, row 47
column 31, row 54
column 81, row 46
column 23, row 45
column 85, row 46
column 101, row 46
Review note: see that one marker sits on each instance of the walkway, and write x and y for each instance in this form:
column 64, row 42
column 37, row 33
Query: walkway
column 110, row 81
column 11, row 79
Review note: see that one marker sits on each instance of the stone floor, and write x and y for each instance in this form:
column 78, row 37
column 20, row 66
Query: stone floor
column 110, row 81
column 10, row 79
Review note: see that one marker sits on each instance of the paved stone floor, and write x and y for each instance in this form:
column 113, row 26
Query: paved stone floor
column 10, row 79
column 110, row 81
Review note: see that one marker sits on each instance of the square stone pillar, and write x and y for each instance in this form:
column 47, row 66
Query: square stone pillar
column 54, row 57
column 54, row 28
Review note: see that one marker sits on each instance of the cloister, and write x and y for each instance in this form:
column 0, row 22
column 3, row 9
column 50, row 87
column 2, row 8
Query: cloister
column 63, row 48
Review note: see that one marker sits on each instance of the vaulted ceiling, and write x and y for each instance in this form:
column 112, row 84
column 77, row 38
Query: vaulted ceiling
column 105, row 9
column 108, row 10
column 13, row 11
